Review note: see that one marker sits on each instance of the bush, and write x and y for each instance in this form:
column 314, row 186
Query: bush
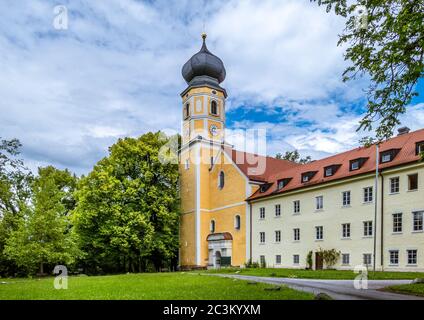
column 329, row 257
column 309, row 261
column 250, row 264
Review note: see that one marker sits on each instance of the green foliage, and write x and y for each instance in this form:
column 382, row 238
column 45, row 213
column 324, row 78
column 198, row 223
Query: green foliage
column 15, row 195
column 44, row 234
column 293, row 156
column 329, row 257
column 128, row 210
column 252, row 265
column 389, row 49
column 309, row 261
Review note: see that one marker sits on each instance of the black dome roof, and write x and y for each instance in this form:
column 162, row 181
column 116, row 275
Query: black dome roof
column 204, row 63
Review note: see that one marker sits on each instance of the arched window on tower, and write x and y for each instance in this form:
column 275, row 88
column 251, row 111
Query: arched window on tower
column 214, row 108
column 212, row 226
column 237, row 222
column 221, row 180
column 186, row 110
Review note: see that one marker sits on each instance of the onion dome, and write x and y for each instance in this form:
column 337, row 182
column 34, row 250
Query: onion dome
column 204, row 67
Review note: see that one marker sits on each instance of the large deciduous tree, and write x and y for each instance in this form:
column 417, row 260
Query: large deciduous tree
column 293, row 156
column 127, row 213
column 44, row 235
column 15, row 194
column 385, row 41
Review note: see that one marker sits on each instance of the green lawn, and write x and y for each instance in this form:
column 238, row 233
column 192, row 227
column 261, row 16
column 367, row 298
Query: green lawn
column 414, row 289
column 158, row 286
column 320, row 274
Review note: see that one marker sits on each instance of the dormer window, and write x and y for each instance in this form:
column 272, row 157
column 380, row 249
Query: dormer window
column 265, row 187
column 214, row 108
column 331, row 170
column 307, row 176
column 419, row 148
column 283, row 182
column 388, row 155
column 356, row 164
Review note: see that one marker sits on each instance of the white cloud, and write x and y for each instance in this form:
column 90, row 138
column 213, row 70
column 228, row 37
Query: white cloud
column 116, row 72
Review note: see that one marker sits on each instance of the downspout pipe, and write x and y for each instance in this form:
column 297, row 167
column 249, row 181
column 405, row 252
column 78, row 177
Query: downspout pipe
column 377, row 154
column 250, row 235
column 382, row 223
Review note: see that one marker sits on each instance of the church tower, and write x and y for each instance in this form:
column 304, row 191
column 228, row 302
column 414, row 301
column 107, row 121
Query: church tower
column 203, row 129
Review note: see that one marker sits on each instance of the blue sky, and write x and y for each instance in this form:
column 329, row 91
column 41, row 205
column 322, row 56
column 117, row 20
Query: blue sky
column 116, row 72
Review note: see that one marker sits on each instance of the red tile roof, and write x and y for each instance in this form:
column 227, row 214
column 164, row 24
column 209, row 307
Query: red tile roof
column 248, row 164
column 406, row 143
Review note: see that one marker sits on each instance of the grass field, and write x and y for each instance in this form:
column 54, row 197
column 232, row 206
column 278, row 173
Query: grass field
column 321, row 274
column 159, row 286
column 414, row 289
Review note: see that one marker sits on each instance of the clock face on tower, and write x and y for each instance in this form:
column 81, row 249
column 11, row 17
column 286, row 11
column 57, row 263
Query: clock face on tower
column 213, row 130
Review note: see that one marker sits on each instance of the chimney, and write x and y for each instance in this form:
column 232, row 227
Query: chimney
column 403, row 130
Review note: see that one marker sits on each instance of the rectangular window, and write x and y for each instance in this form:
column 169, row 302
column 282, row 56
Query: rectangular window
column 345, row 258
column 394, row 185
column 368, row 194
column 346, row 230
column 354, row 165
column 397, row 222
column 413, row 182
column 319, row 203
column 329, row 172
column 319, row 233
column 296, row 206
column 346, row 198
column 262, row 260
column 296, row 259
column 277, row 210
column 296, row 234
column 387, row 157
column 368, row 228
column 394, row 256
column 261, row 213
column 187, row 164
column 412, row 256
column 419, row 147
column 418, row 221
column 278, row 236
column 262, row 237
column 367, row 259
column 278, row 259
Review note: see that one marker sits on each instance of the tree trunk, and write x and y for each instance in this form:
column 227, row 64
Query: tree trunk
column 41, row 268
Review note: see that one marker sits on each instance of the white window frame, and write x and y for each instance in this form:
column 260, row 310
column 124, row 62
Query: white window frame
column 277, row 236
column 296, row 234
column 328, row 172
column 278, row 210
column 319, row 233
column 367, row 259
column 262, row 213
column 296, row 206
column 397, row 219
column 418, row 224
column 354, row 165
column 368, row 228
column 368, row 194
column 262, row 238
column 278, row 259
column 346, row 230
column 384, row 158
column 394, row 185
column 344, row 262
column 414, row 256
column 319, row 203
column 296, row 259
column 394, row 257
column 346, row 198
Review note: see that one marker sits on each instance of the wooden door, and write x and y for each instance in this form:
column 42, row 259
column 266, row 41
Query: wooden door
column 318, row 261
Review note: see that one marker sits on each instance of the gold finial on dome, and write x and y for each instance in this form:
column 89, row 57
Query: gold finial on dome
column 204, row 35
